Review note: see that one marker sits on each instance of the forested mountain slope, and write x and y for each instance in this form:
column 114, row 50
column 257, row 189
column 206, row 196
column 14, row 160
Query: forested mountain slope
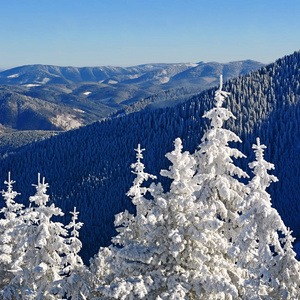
column 43, row 97
column 90, row 167
column 13, row 141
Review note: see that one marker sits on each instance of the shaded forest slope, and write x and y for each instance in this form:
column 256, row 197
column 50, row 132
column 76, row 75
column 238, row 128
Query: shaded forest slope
column 90, row 167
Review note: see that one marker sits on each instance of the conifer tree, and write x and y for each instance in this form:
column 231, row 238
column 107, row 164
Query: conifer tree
column 9, row 238
column 74, row 284
column 101, row 271
column 202, row 269
column 42, row 246
column 264, row 244
column 127, row 224
column 119, row 269
column 214, row 158
column 179, row 253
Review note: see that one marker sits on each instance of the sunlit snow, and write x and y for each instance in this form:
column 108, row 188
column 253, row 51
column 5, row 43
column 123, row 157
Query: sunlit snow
column 192, row 65
column 165, row 79
column 79, row 110
column 13, row 76
column 112, row 82
column 31, row 85
column 134, row 76
column 45, row 80
column 66, row 121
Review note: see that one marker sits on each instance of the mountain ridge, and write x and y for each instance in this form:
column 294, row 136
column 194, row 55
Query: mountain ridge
column 80, row 96
column 95, row 74
column 90, row 167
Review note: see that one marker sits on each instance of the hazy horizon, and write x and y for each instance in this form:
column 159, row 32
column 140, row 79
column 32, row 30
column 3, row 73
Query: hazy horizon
column 124, row 66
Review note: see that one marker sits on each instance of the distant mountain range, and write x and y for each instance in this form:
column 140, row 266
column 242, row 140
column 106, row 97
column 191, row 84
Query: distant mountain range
column 42, row 97
column 90, row 167
column 148, row 74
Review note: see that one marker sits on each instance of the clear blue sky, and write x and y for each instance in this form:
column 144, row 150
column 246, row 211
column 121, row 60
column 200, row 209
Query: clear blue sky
column 131, row 32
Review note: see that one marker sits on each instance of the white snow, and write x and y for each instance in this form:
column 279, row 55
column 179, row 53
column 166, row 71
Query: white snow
column 45, row 80
column 112, row 82
column 164, row 79
column 191, row 65
column 79, row 110
column 31, row 85
column 135, row 76
column 66, row 121
column 13, row 76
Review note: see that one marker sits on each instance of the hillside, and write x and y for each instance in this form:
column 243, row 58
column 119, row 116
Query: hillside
column 63, row 98
column 13, row 141
column 90, row 167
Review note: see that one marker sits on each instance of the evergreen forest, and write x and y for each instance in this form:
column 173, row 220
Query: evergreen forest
column 89, row 168
column 204, row 233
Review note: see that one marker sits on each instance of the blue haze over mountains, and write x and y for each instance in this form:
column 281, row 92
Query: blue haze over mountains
column 62, row 98
column 90, row 167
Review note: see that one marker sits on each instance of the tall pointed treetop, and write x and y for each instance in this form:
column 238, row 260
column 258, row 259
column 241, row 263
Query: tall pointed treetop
column 126, row 222
column 137, row 191
column 9, row 195
column 219, row 94
column 73, row 225
column 217, row 154
column 40, row 198
column 219, row 114
column 260, row 168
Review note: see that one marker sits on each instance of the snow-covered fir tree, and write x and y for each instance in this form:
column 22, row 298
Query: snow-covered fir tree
column 179, row 253
column 200, row 266
column 128, row 225
column 75, row 282
column 101, row 271
column 43, row 243
column 113, row 261
column 221, row 189
column 118, row 269
column 9, row 236
column 264, row 244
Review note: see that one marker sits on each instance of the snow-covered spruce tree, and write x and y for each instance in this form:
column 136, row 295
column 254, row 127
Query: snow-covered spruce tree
column 197, row 265
column 42, row 246
column 101, row 271
column 119, row 270
column 179, row 253
column 264, row 244
column 128, row 225
column 74, row 284
column 214, row 158
column 8, row 236
column 220, row 190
